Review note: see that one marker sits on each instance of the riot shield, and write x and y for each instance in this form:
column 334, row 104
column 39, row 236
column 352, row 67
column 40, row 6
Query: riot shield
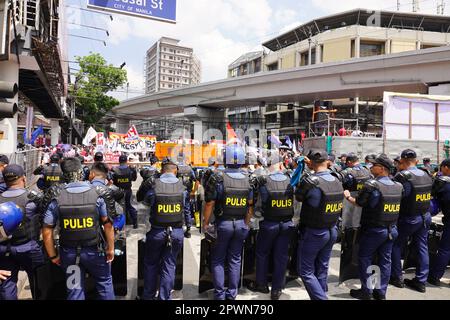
column 348, row 268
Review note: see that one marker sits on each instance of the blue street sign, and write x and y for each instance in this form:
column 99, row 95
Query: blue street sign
column 163, row 10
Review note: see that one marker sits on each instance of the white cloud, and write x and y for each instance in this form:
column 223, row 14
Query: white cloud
column 219, row 31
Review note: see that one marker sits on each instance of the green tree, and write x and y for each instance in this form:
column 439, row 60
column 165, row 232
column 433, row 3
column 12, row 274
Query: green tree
column 93, row 81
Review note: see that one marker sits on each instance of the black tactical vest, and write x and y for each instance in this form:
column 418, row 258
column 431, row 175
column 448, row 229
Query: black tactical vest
column 387, row 211
column 418, row 202
column 52, row 175
column 184, row 173
column 359, row 178
column 444, row 205
column 169, row 204
column 235, row 198
column 78, row 219
column 326, row 215
column 280, row 204
column 122, row 177
column 29, row 228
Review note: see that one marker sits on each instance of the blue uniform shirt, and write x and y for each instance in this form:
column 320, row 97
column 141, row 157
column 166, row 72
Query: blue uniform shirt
column 349, row 179
column 98, row 182
column 150, row 198
column 52, row 213
column 232, row 173
column 276, row 176
column 375, row 195
column 314, row 196
column 30, row 210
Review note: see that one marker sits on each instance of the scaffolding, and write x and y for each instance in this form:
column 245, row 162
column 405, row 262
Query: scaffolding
column 323, row 127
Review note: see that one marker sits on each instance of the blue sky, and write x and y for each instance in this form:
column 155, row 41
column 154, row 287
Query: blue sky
column 218, row 30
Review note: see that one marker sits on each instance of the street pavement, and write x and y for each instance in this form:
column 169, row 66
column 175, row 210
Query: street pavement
column 295, row 290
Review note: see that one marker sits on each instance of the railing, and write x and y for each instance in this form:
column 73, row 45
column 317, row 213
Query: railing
column 29, row 160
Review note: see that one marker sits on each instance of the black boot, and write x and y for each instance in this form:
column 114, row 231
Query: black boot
column 415, row 285
column 252, row 286
column 360, row 295
column 275, row 294
column 434, row 281
column 397, row 282
column 187, row 233
column 377, row 295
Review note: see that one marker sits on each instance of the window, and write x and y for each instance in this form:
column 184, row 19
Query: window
column 271, row 107
column 169, row 78
column 164, row 78
column 304, row 57
column 171, row 50
column 272, row 67
column 171, row 57
column 170, row 64
column 164, row 56
column 170, row 86
column 258, row 65
column 271, row 118
column 371, row 48
column 170, row 71
column 353, row 49
column 164, row 49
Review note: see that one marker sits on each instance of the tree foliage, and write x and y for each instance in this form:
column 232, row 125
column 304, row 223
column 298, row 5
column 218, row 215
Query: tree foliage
column 92, row 83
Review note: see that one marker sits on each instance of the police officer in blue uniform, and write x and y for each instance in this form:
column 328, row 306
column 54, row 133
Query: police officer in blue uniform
column 441, row 193
column 380, row 199
column 86, row 234
column 22, row 251
column 189, row 179
column 230, row 196
column 4, row 161
column 168, row 200
column 123, row 176
column 275, row 231
column 353, row 179
column 414, row 221
column 51, row 173
column 322, row 198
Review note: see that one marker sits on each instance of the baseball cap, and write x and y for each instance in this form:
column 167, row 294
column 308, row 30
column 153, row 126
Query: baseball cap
column 384, row 160
column 408, row 154
column 98, row 156
column 71, row 165
column 4, row 159
column 317, row 155
column 13, row 172
column 123, row 158
column 352, row 157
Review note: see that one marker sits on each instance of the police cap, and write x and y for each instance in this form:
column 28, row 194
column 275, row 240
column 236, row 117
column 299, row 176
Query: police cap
column 13, row 172
column 446, row 163
column 426, row 160
column 352, row 157
column 384, row 161
column 4, row 159
column 317, row 155
column 408, row 154
column 370, row 158
column 54, row 158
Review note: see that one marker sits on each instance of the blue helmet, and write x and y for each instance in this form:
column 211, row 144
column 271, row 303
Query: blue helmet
column 119, row 222
column 234, row 156
column 10, row 219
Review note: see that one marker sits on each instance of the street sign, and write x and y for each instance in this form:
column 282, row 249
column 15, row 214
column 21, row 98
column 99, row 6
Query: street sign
column 162, row 10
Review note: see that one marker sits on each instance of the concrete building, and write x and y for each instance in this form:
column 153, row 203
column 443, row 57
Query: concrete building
column 170, row 66
column 33, row 55
column 348, row 36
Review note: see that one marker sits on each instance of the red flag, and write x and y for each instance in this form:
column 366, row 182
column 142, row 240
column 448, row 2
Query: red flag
column 230, row 132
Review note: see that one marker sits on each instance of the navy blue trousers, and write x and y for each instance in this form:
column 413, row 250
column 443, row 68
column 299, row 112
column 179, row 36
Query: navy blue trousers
column 228, row 249
column 90, row 261
column 160, row 262
column 129, row 209
column 24, row 257
column 273, row 237
column 412, row 227
column 314, row 253
column 375, row 241
column 443, row 255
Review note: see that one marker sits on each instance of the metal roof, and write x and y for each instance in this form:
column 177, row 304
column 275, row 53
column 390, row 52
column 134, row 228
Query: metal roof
column 250, row 56
column 388, row 19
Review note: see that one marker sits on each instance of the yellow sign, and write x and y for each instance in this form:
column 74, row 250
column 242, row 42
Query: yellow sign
column 282, row 203
column 423, row 197
column 333, row 207
column 392, row 208
column 78, row 223
column 169, row 208
column 236, row 202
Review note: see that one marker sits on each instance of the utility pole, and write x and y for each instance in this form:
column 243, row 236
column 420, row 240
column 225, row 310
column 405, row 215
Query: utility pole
column 441, row 7
column 398, row 5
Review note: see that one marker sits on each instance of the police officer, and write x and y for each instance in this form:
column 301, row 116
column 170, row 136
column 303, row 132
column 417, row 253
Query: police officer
column 187, row 176
column 441, row 193
column 168, row 200
column 86, row 234
column 380, row 199
column 414, row 221
column 353, row 179
column 4, row 161
column 22, row 251
column 275, row 231
column 123, row 176
column 322, row 196
column 230, row 195
column 427, row 165
column 51, row 174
